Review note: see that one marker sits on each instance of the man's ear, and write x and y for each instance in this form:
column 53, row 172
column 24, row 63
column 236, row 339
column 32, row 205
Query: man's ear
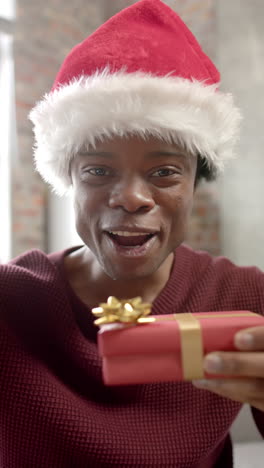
column 70, row 168
column 197, row 182
column 198, row 173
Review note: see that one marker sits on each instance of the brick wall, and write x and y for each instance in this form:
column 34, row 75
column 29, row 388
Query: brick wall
column 45, row 32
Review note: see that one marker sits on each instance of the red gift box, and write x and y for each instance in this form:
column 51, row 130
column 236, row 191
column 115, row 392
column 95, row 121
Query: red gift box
column 169, row 349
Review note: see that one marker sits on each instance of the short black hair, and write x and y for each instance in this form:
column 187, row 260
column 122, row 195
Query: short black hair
column 204, row 170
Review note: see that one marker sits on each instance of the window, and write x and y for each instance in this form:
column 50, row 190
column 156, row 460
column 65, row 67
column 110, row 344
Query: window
column 7, row 9
column 7, row 127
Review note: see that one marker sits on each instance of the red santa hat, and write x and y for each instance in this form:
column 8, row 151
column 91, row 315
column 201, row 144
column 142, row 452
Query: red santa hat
column 144, row 73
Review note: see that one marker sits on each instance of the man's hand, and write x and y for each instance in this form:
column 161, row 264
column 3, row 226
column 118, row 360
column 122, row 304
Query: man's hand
column 247, row 365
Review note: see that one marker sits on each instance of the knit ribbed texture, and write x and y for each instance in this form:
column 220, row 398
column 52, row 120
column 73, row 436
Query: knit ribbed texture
column 55, row 411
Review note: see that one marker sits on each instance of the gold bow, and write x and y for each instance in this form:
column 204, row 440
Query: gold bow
column 130, row 311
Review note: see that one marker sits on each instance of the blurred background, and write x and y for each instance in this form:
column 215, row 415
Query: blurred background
column 228, row 216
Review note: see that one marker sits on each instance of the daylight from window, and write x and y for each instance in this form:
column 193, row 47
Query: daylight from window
column 6, row 125
column 7, row 9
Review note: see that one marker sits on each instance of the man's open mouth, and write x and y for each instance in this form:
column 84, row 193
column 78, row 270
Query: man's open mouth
column 130, row 239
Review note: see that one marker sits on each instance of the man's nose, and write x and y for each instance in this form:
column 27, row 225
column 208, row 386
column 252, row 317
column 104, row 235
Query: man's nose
column 131, row 194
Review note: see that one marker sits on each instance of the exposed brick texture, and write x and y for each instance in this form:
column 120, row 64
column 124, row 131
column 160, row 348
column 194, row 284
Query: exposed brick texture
column 45, row 32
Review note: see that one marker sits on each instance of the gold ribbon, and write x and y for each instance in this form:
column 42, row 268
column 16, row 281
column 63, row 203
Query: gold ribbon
column 191, row 346
column 134, row 311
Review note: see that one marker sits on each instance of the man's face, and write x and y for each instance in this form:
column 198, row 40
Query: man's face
column 132, row 203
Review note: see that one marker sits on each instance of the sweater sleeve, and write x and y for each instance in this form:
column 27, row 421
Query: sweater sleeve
column 257, row 414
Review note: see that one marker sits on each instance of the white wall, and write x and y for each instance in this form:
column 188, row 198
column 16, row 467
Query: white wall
column 241, row 60
column 61, row 224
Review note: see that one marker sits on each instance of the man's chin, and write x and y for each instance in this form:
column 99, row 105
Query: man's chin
column 129, row 274
column 136, row 271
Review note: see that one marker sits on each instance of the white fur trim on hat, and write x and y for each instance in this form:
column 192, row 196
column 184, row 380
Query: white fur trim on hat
column 202, row 119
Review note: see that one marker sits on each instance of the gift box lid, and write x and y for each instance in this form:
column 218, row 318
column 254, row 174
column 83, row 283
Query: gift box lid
column 217, row 331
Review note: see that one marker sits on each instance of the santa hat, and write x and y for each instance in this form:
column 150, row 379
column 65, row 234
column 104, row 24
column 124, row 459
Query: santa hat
column 144, row 73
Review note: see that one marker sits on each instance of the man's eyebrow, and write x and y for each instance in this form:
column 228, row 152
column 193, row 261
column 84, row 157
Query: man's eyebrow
column 178, row 153
column 96, row 153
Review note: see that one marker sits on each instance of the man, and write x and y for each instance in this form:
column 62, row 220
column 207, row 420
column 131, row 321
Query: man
column 133, row 122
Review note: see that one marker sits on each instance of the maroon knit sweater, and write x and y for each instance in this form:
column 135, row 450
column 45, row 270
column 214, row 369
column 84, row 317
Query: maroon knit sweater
column 55, row 412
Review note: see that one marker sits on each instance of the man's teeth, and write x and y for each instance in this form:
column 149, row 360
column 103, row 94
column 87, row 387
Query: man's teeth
column 129, row 234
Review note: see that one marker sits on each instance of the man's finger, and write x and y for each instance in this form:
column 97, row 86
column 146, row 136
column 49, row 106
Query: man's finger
column 235, row 363
column 250, row 339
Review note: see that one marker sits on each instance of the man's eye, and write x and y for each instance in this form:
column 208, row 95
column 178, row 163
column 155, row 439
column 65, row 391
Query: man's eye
column 165, row 172
column 98, row 171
